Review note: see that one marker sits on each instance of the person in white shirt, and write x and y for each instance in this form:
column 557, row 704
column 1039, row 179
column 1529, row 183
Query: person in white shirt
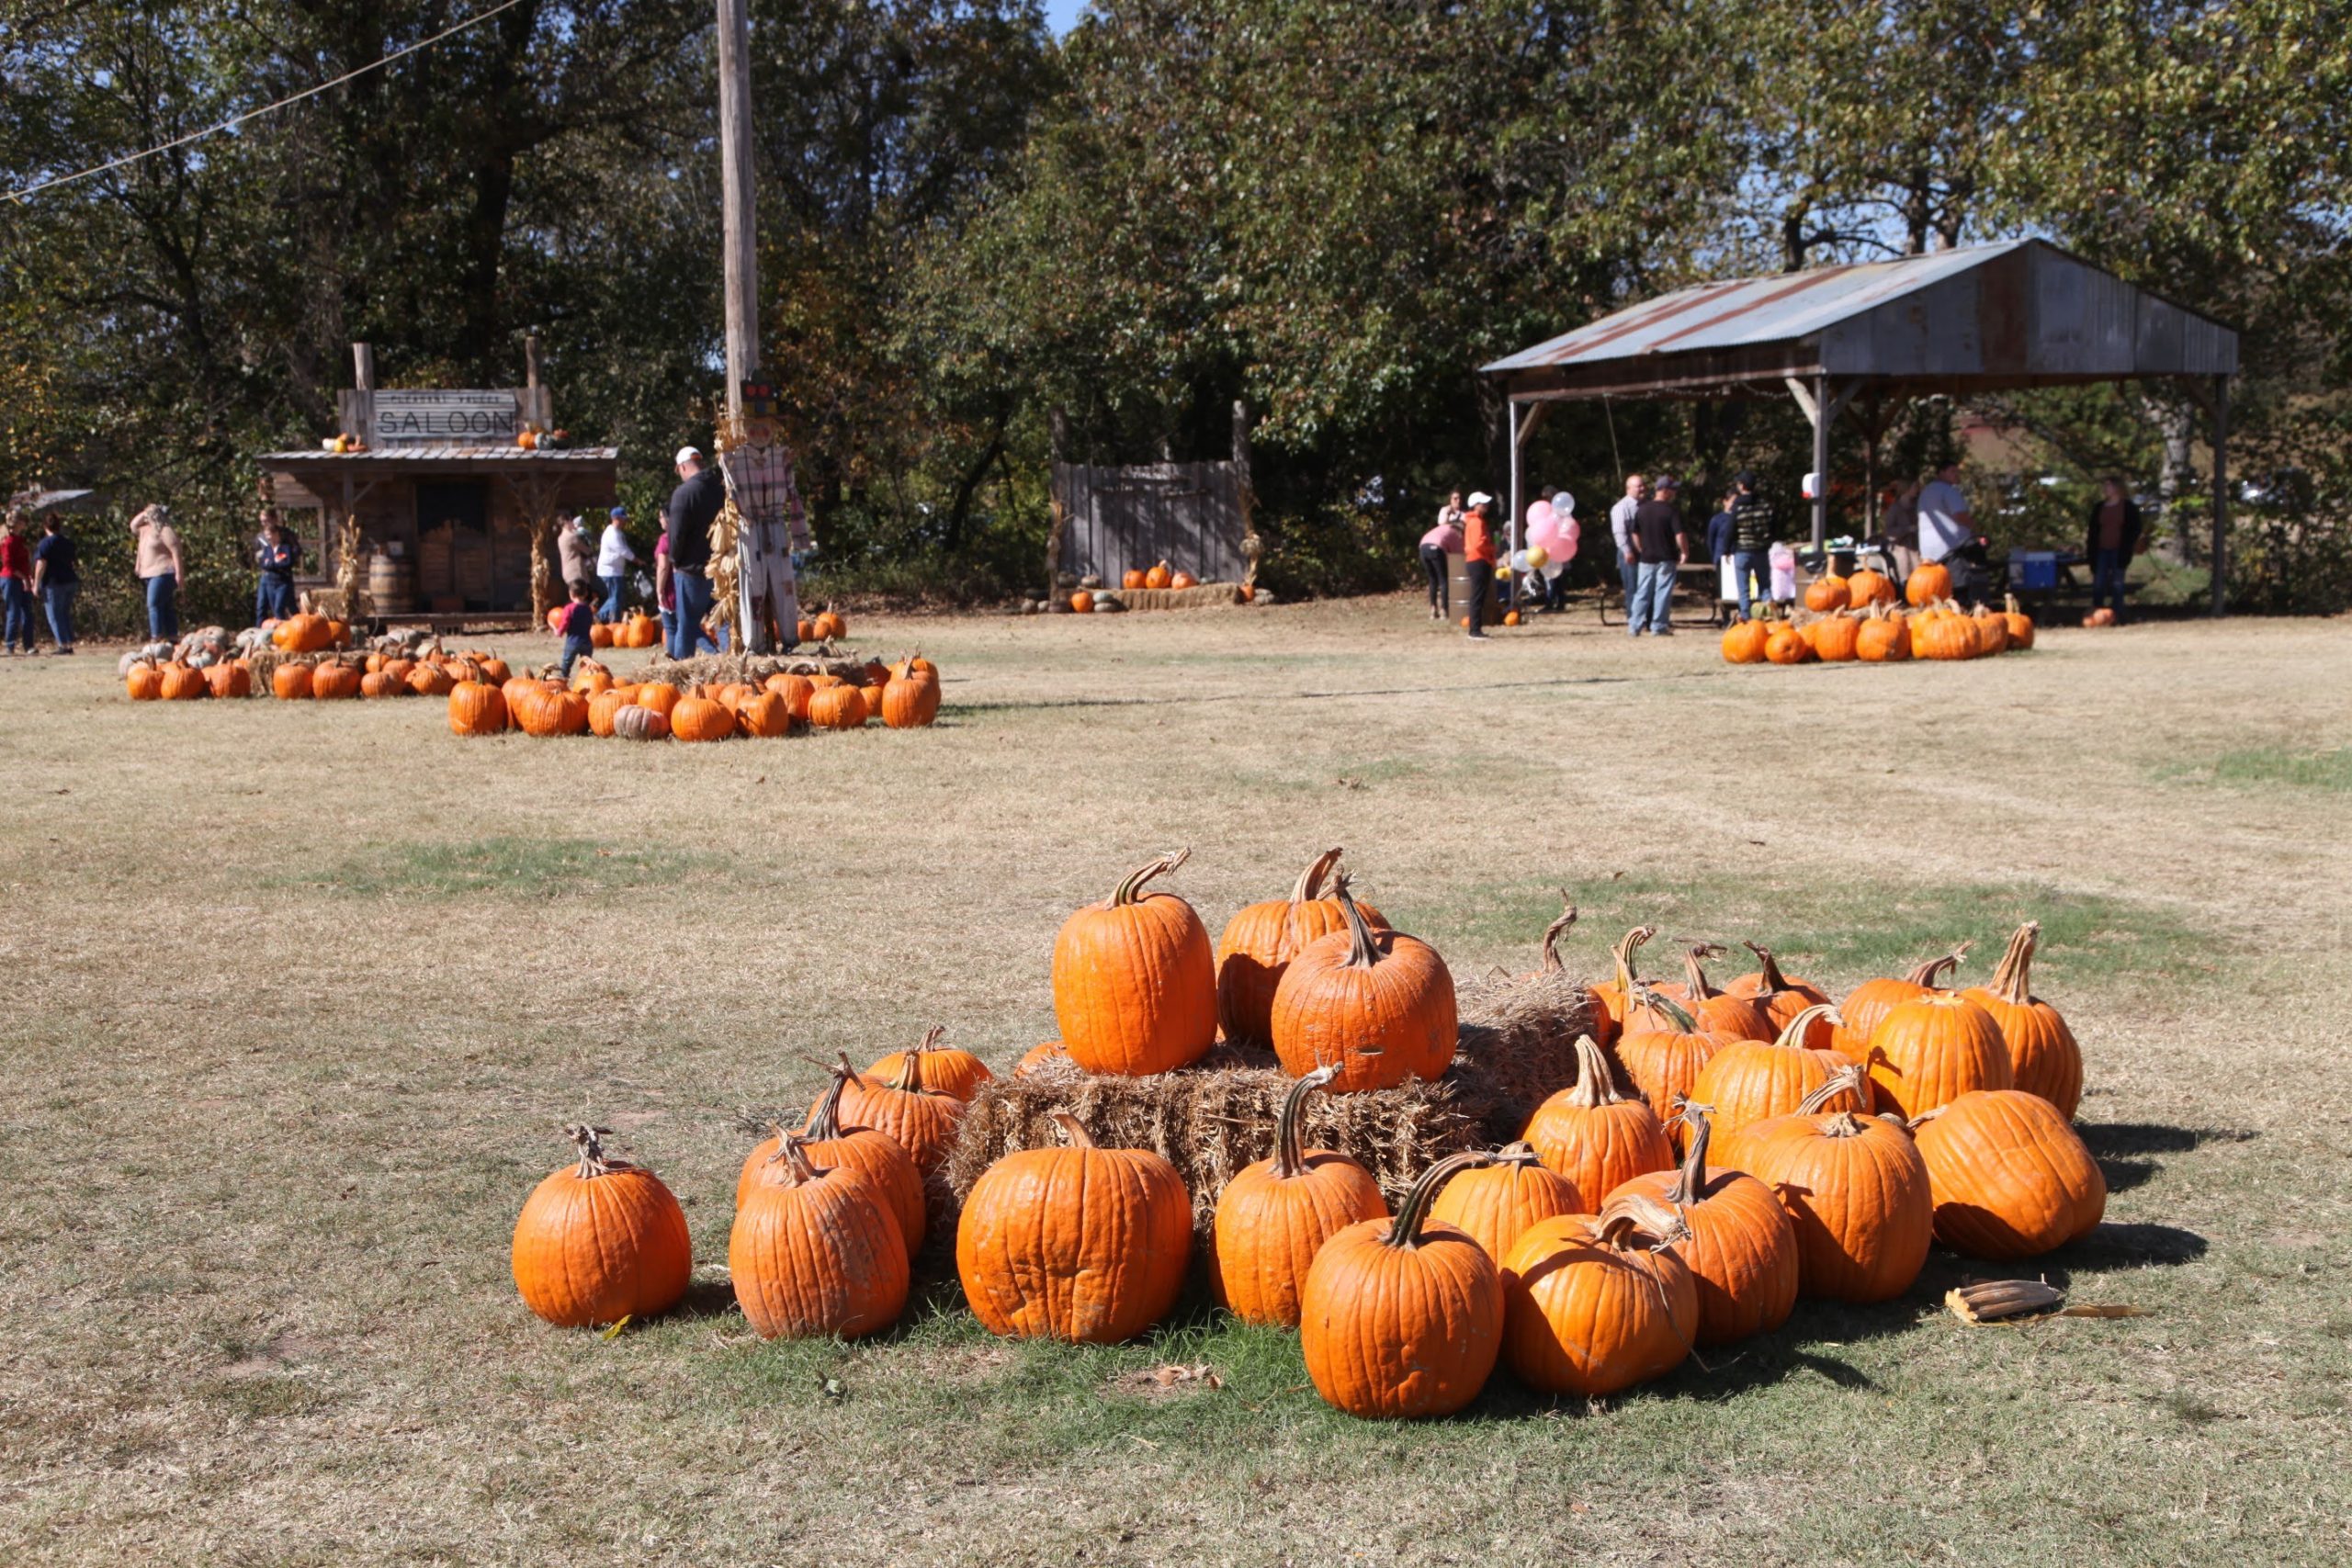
column 1945, row 522
column 1621, row 529
column 613, row 558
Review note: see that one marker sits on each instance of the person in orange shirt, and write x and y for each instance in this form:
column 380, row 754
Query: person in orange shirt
column 1478, row 555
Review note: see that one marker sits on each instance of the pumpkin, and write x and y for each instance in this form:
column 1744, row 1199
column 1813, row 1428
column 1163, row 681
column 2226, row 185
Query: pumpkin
column 805, row 630
column 1181, row 580
column 881, row 1159
column 1595, row 1303
column 288, row 681
column 816, row 1252
column 600, row 1241
column 1131, row 578
column 1082, row 602
column 180, row 682
column 494, row 671
column 1945, row 637
column 764, row 716
column 431, row 681
column 1614, row 996
column 399, row 669
column 232, row 679
column 601, row 709
column 1158, row 576
column 1828, row 592
column 589, row 678
column 1403, row 1317
column 551, row 714
column 1134, row 979
column 144, row 682
column 600, row 634
column 1883, row 639
column 2020, row 625
column 1992, row 631
column 1495, row 1203
column 699, row 718
column 1744, row 642
column 1595, row 1134
column 837, row 707
column 921, row 1119
column 826, row 682
column 2043, row 1053
column 832, row 626
column 794, row 690
column 1874, row 1000
column 1784, row 999
column 1867, row 587
column 1734, row 1014
column 639, row 723
column 910, row 700
column 1856, row 1192
column 1080, row 1244
column 2102, row 616
column 1836, row 639
column 476, row 709
column 1377, row 1005
column 303, row 633
column 1275, row 1215
column 1932, row 1050
column 1510, row 617
column 1753, row 1080
column 1741, row 1248
column 1786, row 645
column 1037, row 1056
column 946, row 1068
column 658, row 695
column 1666, row 1060
column 2010, row 1176
column 1929, row 583
column 1262, row 937
column 376, row 684
column 333, row 681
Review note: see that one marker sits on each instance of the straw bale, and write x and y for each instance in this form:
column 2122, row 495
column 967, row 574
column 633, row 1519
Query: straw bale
column 752, row 669
column 1199, row 596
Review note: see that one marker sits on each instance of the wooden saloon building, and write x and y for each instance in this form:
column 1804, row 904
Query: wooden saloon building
column 437, row 510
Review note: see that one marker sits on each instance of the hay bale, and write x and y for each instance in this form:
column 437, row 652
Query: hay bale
column 1199, row 596
column 751, row 669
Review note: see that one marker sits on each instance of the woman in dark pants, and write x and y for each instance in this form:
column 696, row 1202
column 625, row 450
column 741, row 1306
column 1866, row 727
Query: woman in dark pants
column 1479, row 552
column 2111, row 537
column 277, row 556
column 1438, row 544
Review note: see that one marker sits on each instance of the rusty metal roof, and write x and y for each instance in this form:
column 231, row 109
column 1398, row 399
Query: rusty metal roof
column 442, row 452
column 2016, row 313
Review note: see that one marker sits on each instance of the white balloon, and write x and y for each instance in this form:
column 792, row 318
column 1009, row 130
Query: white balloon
column 1563, row 503
column 1520, row 561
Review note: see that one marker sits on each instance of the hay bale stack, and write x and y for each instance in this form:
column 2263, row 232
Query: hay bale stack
column 751, row 669
column 263, row 663
column 1517, row 1040
column 1199, row 596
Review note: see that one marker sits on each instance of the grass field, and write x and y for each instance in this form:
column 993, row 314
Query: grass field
column 298, row 996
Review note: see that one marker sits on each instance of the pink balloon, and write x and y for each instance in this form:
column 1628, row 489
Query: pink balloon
column 1540, row 516
column 1557, row 537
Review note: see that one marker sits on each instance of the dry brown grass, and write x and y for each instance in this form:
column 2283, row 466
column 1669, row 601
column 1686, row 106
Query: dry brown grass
column 299, row 994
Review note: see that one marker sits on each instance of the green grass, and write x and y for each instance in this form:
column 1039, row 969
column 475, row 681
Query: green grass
column 525, row 868
column 2257, row 767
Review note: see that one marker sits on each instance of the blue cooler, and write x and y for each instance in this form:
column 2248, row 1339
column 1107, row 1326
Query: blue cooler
column 2033, row 572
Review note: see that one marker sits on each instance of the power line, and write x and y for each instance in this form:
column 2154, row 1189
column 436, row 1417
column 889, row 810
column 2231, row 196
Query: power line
column 234, row 120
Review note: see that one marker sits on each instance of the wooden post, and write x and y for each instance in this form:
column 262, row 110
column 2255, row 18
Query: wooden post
column 363, row 368
column 1821, row 417
column 2220, row 495
column 1253, row 549
column 531, row 360
column 735, row 180
column 1058, row 427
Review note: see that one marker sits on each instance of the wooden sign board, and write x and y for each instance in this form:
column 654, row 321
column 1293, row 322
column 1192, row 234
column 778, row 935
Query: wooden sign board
column 478, row 418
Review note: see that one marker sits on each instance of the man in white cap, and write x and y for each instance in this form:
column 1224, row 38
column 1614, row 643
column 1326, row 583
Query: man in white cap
column 693, row 507
column 1480, row 550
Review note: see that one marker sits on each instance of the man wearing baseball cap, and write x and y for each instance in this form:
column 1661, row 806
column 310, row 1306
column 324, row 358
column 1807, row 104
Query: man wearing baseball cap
column 1658, row 549
column 1479, row 554
column 693, row 507
column 613, row 558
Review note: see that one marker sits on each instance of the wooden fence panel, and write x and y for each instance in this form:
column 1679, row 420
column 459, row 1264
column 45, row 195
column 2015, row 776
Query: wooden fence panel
column 1188, row 514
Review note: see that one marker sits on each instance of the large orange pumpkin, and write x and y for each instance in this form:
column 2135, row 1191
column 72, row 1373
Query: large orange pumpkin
column 1744, row 642
column 231, row 679
column 1158, row 576
column 1260, row 941
column 1080, row 1244
column 1597, row 1302
column 1082, row 602
column 144, row 683
column 1134, row 979
column 1836, row 639
column 2020, row 625
column 909, row 701
column 763, row 715
column 1783, row 998
column 476, row 709
column 1874, row 1000
column 794, row 690
column 551, row 714
column 880, row 1157
column 1932, row 1050
column 1929, row 583
column 2010, row 1178
column 1752, row 1080
column 816, row 1252
column 1377, row 1005
column 334, row 679
column 699, row 718
column 1403, row 1317
column 601, row 709
column 1828, row 592
column 1856, row 1192
column 1275, row 1215
column 946, row 1068
column 289, row 681
column 1664, row 1058
column 837, row 707
column 1786, row 645
column 600, row 1241
column 1882, row 639
column 1741, row 1249
column 921, row 1119
column 658, row 695
column 1495, row 1203
column 183, row 683
column 1594, row 1134
column 1867, row 587
column 1615, row 995
column 2043, row 1053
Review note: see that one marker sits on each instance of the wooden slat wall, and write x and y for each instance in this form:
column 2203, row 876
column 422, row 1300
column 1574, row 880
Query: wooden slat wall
column 1188, row 514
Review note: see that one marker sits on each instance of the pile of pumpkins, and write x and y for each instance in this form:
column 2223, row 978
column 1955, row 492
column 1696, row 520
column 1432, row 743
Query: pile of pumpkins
column 332, row 676
column 641, row 630
column 170, row 679
column 1721, row 1154
column 1157, row 576
column 1857, row 618
column 904, row 695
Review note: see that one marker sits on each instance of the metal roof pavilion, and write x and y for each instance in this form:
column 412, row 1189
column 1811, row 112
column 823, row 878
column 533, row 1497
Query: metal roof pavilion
column 1872, row 336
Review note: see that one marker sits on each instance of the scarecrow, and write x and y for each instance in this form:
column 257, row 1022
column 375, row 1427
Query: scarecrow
column 763, row 523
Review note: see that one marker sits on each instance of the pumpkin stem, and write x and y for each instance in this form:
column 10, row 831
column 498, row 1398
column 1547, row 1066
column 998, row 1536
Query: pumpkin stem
column 1928, row 974
column 2009, row 981
column 798, row 1168
column 1309, row 885
column 1521, row 1153
column 1700, row 989
column 1555, row 931
column 1676, row 1013
column 590, row 1142
column 1290, row 1156
column 825, row 1116
column 1131, row 890
column 1363, row 951
column 1636, row 1212
column 1627, row 945
column 1769, row 966
column 1848, row 1080
column 1074, row 1130
column 1596, row 1085
column 1792, row 1034
column 1405, row 1230
column 910, row 1065
column 1692, row 1185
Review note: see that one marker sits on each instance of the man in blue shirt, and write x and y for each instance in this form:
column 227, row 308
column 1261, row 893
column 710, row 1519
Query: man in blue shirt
column 1721, row 530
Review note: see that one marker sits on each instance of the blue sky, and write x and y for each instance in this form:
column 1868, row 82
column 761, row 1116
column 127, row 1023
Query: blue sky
column 1063, row 14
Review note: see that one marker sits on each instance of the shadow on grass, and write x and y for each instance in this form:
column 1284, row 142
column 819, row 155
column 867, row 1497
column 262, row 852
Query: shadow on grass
column 2114, row 1144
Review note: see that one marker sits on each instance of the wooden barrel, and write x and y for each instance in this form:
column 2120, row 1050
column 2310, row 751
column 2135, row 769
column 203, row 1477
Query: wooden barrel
column 391, row 585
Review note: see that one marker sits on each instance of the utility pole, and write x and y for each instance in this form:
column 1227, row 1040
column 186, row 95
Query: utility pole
column 735, row 179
